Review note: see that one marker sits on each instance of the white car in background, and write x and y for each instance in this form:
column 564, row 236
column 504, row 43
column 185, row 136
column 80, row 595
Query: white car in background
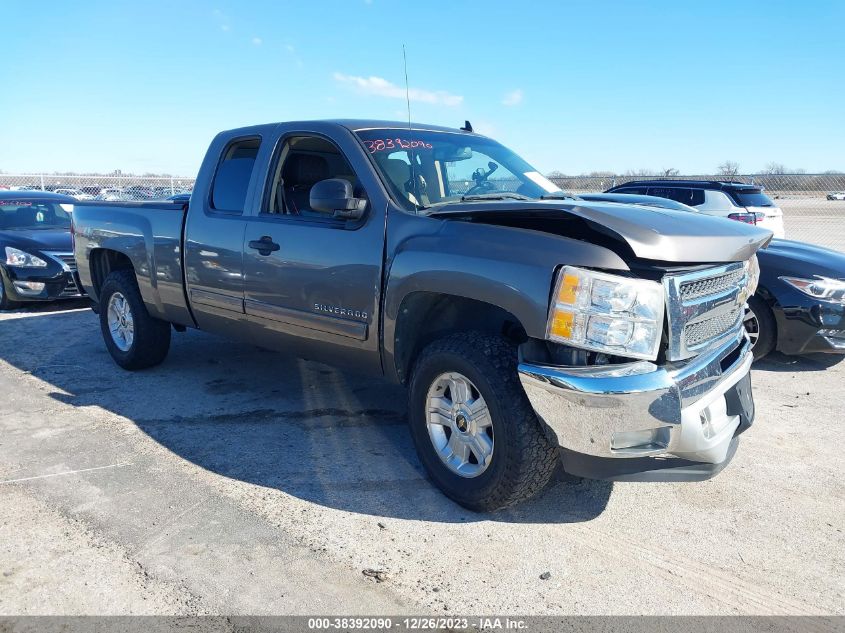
column 74, row 193
column 732, row 200
column 836, row 195
column 112, row 193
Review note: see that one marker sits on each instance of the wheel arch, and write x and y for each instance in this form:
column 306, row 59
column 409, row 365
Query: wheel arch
column 425, row 316
column 767, row 302
column 102, row 262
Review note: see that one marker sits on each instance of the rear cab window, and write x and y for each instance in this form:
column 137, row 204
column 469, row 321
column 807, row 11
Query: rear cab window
column 231, row 181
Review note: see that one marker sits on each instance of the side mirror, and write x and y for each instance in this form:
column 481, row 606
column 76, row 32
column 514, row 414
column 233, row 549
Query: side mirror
column 335, row 196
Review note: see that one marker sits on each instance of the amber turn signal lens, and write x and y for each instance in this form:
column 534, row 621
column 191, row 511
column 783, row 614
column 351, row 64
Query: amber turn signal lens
column 562, row 324
column 568, row 289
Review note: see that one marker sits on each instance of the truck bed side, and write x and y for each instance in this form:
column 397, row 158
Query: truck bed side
column 143, row 236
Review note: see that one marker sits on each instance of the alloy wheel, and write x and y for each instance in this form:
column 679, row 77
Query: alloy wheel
column 459, row 425
column 121, row 323
column 752, row 326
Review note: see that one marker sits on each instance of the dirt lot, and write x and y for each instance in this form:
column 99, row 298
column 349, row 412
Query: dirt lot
column 815, row 220
column 233, row 480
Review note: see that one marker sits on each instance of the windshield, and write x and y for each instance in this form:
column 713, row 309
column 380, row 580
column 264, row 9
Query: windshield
column 424, row 168
column 752, row 198
column 31, row 214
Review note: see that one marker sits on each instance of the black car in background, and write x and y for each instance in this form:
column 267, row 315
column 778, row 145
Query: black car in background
column 36, row 248
column 799, row 306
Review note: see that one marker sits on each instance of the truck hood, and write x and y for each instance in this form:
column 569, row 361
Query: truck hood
column 651, row 233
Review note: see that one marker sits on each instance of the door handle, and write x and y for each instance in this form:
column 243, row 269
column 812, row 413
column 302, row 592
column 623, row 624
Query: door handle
column 265, row 245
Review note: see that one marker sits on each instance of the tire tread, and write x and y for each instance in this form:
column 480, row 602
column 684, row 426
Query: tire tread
column 537, row 458
column 152, row 336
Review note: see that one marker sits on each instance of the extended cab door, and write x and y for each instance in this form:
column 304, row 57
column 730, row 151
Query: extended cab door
column 214, row 232
column 311, row 281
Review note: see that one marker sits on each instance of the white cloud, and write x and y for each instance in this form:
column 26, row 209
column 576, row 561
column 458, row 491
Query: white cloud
column 291, row 49
column 221, row 18
column 257, row 41
column 513, row 98
column 380, row 87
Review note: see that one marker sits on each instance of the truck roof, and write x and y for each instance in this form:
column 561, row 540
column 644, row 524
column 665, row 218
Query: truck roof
column 356, row 125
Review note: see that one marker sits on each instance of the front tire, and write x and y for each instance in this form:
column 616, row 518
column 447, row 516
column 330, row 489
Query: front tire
column 5, row 302
column 473, row 427
column 134, row 339
column 761, row 327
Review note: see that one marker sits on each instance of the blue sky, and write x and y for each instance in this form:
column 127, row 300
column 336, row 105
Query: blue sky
column 572, row 86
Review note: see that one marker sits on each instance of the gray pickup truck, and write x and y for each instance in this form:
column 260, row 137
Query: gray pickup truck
column 528, row 326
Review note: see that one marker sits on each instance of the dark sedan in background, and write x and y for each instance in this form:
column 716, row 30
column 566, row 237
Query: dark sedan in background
column 36, row 248
column 799, row 306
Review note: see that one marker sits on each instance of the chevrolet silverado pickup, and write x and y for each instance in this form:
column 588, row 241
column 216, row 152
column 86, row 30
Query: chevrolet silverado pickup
column 529, row 327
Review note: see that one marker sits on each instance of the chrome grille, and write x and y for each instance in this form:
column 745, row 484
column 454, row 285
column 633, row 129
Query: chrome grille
column 712, row 285
column 697, row 333
column 67, row 260
column 72, row 287
column 704, row 308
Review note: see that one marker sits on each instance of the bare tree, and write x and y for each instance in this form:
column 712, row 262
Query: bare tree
column 729, row 168
column 640, row 172
column 779, row 169
column 556, row 174
column 775, row 169
column 670, row 171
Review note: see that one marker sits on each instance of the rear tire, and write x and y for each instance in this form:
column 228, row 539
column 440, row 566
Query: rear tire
column 761, row 327
column 134, row 339
column 521, row 460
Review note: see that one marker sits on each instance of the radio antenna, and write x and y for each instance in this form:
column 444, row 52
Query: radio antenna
column 413, row 187
column 407, row 87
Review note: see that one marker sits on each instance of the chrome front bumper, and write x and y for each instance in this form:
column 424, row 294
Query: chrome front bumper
column 690, row 410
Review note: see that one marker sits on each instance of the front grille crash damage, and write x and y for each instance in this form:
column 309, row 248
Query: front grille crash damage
column 705, row 302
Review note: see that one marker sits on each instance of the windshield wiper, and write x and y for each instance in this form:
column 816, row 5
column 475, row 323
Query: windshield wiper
column 498, row 195
column 559, row 195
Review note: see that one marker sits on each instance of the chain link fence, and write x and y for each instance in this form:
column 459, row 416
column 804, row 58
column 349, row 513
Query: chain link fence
column 116, row 187
column 813, row 204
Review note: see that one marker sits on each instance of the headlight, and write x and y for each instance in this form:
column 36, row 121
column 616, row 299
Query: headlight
column 607, row 313
column 22, row 259
column 819, row 288
column 752, row 269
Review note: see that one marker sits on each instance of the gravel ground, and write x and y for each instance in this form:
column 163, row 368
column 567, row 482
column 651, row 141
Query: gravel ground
column 814, row 220
column 234, row 480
